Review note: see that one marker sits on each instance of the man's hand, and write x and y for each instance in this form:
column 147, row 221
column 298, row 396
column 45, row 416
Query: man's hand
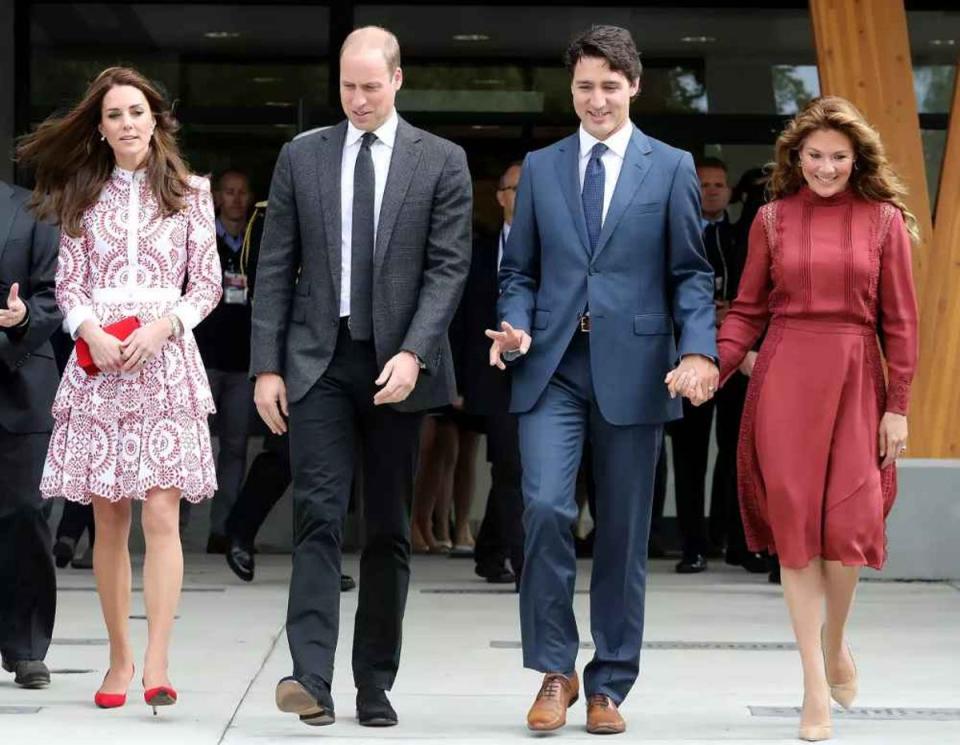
column 696, row 378
column 270, row 396
column 508, row 339
column 16, row 309
column 746, row 367
column 398, row 378
column 892, row 438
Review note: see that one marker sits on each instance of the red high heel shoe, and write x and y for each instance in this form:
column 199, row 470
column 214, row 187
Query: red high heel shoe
column 160, row 696
column 112, row 700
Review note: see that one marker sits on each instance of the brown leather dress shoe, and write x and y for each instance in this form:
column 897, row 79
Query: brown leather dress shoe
column 557, row 694
column 603, row 717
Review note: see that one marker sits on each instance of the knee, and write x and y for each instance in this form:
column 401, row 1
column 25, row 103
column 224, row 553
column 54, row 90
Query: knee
column 160, row 518
column 316, row 522
column 540, row 514
column 112, row 518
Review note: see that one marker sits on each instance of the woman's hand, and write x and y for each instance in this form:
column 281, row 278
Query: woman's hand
column 746, row 367
column 145, row 343
column 892, row 438
column 104, row 348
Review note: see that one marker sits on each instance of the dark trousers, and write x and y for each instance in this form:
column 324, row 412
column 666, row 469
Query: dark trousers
column 75, row 519
column 28, row 580
column 266, row 482
column 501, row 532
column 691, row 445
column 325, row 426
column 725, row 520
column 552, row 436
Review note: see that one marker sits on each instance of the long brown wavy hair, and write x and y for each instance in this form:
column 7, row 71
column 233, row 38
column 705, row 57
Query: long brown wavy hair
column 72, row 163
column 872, row 177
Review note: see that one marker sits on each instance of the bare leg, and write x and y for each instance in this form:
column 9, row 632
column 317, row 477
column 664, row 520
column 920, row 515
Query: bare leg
column 162, row 579
column 111, row 567
column 463, row 478
column 841, row 585
column 803, row 589
column 424, row 490
column 445, row 455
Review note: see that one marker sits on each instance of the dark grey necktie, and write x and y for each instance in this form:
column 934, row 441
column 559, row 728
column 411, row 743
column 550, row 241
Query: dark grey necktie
column 361, row 245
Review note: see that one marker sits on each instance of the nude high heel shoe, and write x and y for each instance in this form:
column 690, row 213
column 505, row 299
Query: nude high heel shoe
column 843, row 693
column 816, row 732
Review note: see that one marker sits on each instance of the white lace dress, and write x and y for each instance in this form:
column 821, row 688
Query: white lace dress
column 118, row 435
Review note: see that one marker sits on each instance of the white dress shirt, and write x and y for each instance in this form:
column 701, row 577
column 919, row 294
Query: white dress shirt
column 612, row 159
column 380, row 151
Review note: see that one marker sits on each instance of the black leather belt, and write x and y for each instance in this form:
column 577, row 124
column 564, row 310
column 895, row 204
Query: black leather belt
column 584, row 322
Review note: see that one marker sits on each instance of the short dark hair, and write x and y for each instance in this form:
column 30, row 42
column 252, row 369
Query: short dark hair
column 611, row 43
column 711, row 162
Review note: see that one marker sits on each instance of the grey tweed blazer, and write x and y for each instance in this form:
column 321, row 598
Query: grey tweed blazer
column 421, row 261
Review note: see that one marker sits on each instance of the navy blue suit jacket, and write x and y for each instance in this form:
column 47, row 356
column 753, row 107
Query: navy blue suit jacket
column 647, row 278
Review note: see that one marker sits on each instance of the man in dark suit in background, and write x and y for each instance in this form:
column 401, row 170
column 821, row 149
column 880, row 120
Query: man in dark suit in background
column 28, row 382
column 486, row 394
column 365, row 252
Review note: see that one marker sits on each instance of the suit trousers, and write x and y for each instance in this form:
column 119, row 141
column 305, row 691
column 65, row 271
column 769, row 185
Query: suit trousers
column 28, row 580
column 691, row 448
column 501, row 532
column 552, row 436
column 726, row 525
column 266, row 482
column 233, row 394
column 328, row 426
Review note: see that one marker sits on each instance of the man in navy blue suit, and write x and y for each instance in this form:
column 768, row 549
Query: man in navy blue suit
column 604, row 262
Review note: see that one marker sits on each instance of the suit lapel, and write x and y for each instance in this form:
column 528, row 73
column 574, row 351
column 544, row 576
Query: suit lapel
column 634, row 170
column 403, row 164
column 568, row 169
column 329, row 158
column 7, row 210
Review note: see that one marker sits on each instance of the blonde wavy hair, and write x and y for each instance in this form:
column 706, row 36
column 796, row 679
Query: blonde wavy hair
column 872, row 177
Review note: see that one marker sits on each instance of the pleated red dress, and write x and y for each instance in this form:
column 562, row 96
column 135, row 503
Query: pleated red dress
column 831, row 282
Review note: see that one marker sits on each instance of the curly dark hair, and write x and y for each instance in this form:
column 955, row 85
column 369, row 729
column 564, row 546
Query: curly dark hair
column 611, row 43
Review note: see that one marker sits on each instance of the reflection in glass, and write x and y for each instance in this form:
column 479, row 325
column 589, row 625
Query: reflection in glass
column 794, row 86
column 933, row 85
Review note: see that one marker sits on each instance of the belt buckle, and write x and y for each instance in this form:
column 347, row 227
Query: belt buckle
column 585, row 323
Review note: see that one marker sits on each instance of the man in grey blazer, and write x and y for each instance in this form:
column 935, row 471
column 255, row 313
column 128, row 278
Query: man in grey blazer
column 365, row 252
column 28, row 382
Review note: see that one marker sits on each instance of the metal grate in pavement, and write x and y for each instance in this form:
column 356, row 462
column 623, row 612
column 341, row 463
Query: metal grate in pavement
column 866, row 712
column 80, row 642
column 506, row 590
column 141, row 617
column 71, row 671
column 19, row 709
column 685, row 645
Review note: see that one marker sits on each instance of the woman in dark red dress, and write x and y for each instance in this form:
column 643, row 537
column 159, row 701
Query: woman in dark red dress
column 828, row 274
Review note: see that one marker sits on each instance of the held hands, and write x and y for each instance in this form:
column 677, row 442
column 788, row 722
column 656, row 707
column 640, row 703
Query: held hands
column 746, row 367
column 144, row 344
column 270, row 397
column 695, row 378
column 398, row 378
column 508, row 339
column 892, row 438
column 16, row 309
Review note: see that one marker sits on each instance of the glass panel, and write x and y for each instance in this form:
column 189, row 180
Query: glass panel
column 933, row 85
column 934, row 142
column 794, row 86
column 250, row 84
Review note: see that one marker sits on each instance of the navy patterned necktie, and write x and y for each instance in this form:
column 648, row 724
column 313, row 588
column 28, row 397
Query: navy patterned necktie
column 592, row 194
column 361, row 243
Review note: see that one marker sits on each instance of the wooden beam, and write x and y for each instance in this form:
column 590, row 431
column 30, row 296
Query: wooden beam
column 863, row 54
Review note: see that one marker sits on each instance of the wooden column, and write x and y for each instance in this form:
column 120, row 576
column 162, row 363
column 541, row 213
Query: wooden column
column 863, row 54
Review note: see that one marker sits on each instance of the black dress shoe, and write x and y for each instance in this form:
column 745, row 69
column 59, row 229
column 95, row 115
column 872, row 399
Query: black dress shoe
column 692, row 564
column 495, row 574
column 240, row 560
column 294, row 698
column 28, row 673
column 774, row 577
column 63, row 550
column 753, row 563
column 347, row 583
column 217, row 544
column 374, row 709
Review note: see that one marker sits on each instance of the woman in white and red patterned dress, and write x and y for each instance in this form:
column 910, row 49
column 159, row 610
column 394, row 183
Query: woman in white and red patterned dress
column 137, row 240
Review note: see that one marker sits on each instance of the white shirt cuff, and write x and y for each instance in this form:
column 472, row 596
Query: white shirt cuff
column 76, row 317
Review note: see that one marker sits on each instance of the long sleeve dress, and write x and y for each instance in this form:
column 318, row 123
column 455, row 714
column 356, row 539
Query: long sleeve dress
column 826, row 277
column 118, row 435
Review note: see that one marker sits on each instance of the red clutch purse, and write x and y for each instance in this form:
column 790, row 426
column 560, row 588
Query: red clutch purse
column 121, row 329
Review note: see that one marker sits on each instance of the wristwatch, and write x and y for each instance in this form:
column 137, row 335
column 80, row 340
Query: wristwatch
column 176, row 324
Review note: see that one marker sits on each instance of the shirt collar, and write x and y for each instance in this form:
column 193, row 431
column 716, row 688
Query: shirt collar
column 617, row 142
column 386, row 132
